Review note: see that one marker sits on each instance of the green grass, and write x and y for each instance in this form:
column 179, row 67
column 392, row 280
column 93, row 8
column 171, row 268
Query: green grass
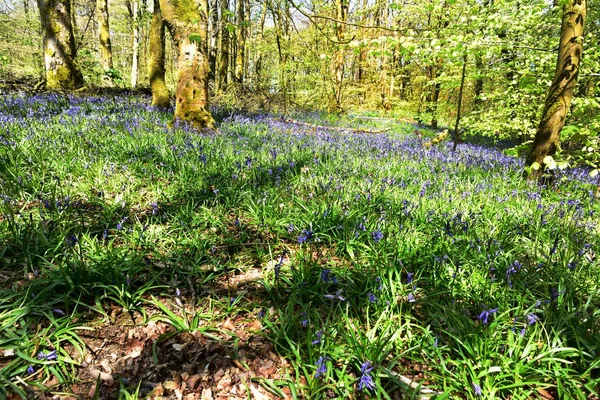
column 368, row 247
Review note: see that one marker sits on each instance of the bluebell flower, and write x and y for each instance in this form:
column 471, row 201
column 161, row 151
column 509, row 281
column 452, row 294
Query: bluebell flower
column 325, row 275
column 532, row 319
column 372, row 298
column 477, row 389
column 485, row 315
column 409, row 277
column 291, row 228
column 305, row 236
column 59, row 311
column 261, row 314
column 279, row 264
column 377, row 236
column 366, row 381
column 30, row 369
column 411, row 298
column 319, row 335
column 321, row 367
column 71, row 240
column 50, row 356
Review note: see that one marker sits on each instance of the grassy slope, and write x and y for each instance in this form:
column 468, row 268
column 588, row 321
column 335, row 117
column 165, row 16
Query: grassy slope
column 442, row 267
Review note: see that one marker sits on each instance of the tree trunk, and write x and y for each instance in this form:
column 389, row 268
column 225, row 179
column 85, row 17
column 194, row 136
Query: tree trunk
column 259, row 54
column 59, row 45
column 560, row 93
column 187, row 22
column 478, row 87
column 338, row 60
column 240, row 42
column 135, row 18
column 223, row 55
column 106, row 57
column 214, row 38
column 156, row 59
column 455, row 135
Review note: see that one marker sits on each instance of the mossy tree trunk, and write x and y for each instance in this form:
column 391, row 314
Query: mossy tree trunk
column 187, row 23
column 156, row 59
column 560, row 93
column 59, row 45
column 106, row 56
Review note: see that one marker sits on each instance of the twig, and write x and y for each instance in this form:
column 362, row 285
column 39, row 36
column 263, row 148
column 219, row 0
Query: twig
column 424, row 392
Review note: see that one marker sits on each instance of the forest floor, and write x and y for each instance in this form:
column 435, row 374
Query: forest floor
column 317, row 257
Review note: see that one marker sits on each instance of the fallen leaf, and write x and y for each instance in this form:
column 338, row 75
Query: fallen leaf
column 228, row 325
column 256, row 394
column 134, row 349
column 193, row 380
column 106, row 377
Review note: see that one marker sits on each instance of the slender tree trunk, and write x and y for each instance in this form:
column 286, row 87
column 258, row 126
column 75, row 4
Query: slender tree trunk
column 362, row 53
column 106, row 57
column 280, row 35
column 478, row 87
column 214, row 38
column 156, row 59
column 455, row 135
column 135, row 18
column 560, row 93
column 434, row 95
column 240, row 41
column 59, row 45
column 223, row 54
column 338, row 60
column 259, row 54
column 187, row 22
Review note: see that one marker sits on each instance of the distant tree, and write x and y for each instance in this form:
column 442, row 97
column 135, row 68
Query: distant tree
column 222, row 63
column 156, row 59
column 241, row 33
column 106, row 56
column 187, row 23
column 560, row 93
column 59, row 45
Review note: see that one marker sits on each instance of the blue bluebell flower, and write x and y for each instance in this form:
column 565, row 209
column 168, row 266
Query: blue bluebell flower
column 366, row 381
column 485, row 315
column 321, row 367
column 372, row 298
column 318, row 335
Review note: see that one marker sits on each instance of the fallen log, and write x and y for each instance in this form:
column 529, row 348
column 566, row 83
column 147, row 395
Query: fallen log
column 334, row 128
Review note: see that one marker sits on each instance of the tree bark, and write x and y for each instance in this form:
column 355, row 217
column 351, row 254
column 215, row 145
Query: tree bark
column 560, row 93
column 135, row 19
column 214, row 38
column 240, row 42
column 187, row 23
column 106, row 57
column 223, row 54
column 156, row 59
column 338, row 60
column 59, row 45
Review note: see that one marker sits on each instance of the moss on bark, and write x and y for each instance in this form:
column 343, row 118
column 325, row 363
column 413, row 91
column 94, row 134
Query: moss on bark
column 59, row 45
column 156, row 59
